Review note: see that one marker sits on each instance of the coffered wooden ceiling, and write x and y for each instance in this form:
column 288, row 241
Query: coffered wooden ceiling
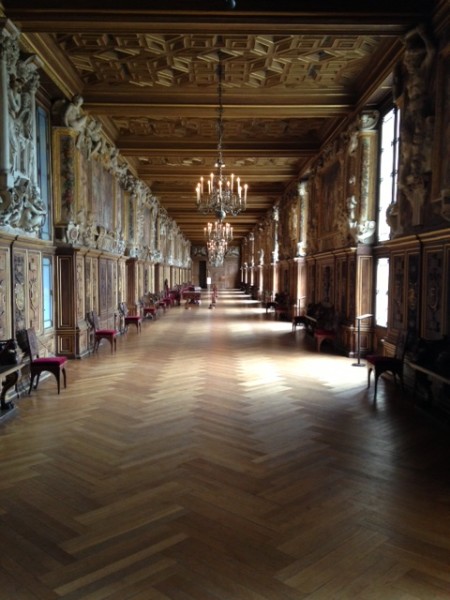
column 294, row 73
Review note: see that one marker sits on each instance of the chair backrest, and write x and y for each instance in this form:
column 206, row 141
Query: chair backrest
column 33, row 344
column 404, row 342
column 92, row 319
column 28, row 343
column 123, row 309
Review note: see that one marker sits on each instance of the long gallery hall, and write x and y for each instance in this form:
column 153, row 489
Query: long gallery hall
column 218, row 455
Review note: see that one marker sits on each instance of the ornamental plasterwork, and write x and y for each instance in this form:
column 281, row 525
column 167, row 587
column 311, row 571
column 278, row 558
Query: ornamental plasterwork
column 21, row 206
column 415, row 80
column 81, row 229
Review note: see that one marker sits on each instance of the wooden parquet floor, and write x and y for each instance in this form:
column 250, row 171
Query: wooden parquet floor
column 217, row 456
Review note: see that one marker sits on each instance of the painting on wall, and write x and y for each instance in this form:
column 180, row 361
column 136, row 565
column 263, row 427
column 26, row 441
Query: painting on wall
column 65, row 169
column 118, row 213
column 398, row 293
column 413, row 292
column 5, row 319
column 342, row 287
column 433, row 295
column 311, row 283
column 103, row 274
column 96, row 191
column 80, row 287
column 352, row 288
column 147, row 218
column 327, row 288
column 107, row 199
column 329, row 198
column 112, row 285
column 84, row 190
column 88, row 286
column 35, row 290
column 131, row 227
column 19, row 290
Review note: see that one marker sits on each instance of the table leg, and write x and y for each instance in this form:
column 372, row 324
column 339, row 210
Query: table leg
column 9, row 382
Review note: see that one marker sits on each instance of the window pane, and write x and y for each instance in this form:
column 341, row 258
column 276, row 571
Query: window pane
column 382, row 292
column 387, row 184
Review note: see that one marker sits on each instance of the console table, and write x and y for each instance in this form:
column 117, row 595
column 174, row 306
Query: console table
column 9, row 376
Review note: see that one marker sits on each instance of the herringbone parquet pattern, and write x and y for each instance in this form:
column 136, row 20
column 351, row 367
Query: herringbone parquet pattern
column 217, row 456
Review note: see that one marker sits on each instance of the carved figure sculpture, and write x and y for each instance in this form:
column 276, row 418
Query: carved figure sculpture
column 417, row 122
column 14, row 106
column 73, row 116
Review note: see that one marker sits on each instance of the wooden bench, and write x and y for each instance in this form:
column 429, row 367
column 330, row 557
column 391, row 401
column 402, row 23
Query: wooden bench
column 280, row 305
column 430, row 362
column 299, row 320
column 320, row 323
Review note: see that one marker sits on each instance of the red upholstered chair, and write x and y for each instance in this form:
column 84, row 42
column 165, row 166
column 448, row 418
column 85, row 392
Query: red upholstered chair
column 101, row 334
column 380, row 364
column 150, row 311
column 135, row 320
column 52, row 364
column 320, row 335
column 149, row 306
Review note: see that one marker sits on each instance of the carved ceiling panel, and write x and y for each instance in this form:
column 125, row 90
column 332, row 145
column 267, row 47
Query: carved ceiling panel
column 309, row 62
column 255, row 129
column 264, row 162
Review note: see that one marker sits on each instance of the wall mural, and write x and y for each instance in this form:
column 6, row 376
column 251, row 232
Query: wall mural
column 329, row 198
column 413, row 292
column 4, row 294
column 103, row 276
column 433, row 295
column 34, row 290
column 19, row 290
column 67, row 177
column 80, row 291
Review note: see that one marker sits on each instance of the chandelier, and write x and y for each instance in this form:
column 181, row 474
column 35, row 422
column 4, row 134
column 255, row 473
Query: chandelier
column 220, row 195
column 217, row 237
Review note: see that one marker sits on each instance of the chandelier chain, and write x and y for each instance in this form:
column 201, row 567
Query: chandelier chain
column 217, row 194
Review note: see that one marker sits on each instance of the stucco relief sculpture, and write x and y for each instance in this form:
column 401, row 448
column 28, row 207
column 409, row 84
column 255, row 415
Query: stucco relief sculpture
column 93, row 138
column 34, row 212
column 413, row 81
column 22, row 207
column 72, row 113
column 14, row 106
column 360, row 203
column 20, row 204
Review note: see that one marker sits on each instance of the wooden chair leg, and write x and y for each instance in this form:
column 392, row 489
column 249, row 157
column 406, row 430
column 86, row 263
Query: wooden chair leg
column 369, row 372
column 376, row 387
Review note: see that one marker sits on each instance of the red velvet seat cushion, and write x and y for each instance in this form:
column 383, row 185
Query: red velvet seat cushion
column 50, row 360
column 324, row 332
column 376, row 359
